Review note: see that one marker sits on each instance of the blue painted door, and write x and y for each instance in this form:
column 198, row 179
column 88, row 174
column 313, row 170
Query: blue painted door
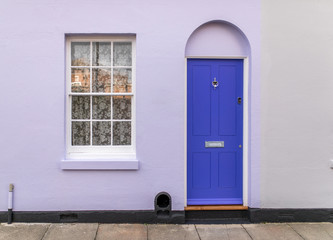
column 214, row 132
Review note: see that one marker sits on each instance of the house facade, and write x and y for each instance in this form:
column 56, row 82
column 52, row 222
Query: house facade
column 106, row 104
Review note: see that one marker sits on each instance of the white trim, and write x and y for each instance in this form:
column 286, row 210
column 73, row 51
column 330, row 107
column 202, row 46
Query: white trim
column 245, row 131
column 100, row 152
column 101, row 38
column 126, row 67
column 245, row 123
column 185, row 143
column 218, row 57
column 90, row 90
column 100, row 94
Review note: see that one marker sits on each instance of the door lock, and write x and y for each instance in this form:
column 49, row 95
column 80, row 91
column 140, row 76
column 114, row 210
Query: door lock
column 239, row 100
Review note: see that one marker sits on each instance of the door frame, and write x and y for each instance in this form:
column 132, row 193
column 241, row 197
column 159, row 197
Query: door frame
column 245, row 123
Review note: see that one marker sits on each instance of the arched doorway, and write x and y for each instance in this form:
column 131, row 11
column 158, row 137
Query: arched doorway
column 217, row 56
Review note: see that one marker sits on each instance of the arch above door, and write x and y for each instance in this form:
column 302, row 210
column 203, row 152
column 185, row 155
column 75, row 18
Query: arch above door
column 217, row 38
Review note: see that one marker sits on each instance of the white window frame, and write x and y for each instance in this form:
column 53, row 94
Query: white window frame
column 95, row 153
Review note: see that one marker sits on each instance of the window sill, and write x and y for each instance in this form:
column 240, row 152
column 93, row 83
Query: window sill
column 86, row 164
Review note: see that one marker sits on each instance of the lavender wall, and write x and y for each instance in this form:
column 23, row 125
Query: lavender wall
column 217, row 38
column 32, row 60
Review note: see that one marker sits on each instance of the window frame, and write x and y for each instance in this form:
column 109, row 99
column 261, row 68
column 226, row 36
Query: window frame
column 107, row 151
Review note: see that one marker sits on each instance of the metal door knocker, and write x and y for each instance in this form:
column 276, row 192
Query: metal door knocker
column 215, row 83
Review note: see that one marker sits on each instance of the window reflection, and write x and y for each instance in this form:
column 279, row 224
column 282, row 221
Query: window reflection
column 122, row 80
column 122, row 54
column 100, row 112
column 80, row 80
column 101, row 54
column 101, row 80
column 80, row 52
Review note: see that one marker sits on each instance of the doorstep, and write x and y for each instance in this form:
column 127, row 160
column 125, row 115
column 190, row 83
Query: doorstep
column 215, row 207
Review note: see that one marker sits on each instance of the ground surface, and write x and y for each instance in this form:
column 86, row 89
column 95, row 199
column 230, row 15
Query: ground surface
column 40, row 231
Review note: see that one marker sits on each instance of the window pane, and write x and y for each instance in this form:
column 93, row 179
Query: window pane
column 101, row 107
column 80, row 53
column 101, row 133
column 101, row 54
column 122, row 54
column 121, row 133
column 80, row 107
column 80, row 133
column 121, row 107
column 101, row 80
column 80, row 80
column 122, row 80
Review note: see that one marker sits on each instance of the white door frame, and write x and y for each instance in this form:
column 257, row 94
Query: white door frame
column 245, row 124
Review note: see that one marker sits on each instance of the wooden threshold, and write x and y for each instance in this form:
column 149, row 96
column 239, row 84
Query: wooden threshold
column 215, row 207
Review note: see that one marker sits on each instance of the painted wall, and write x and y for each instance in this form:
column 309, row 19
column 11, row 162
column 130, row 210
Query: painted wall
column 32, row 102
column 217, row 38
column 297, row 110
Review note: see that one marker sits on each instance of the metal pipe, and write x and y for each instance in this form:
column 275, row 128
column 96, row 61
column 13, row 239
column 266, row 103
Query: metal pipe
column 10, row 203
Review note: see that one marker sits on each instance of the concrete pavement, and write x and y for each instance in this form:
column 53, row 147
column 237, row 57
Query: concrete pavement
column 94, row 231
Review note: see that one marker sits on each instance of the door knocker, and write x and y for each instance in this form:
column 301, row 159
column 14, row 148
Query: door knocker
column 215, row 83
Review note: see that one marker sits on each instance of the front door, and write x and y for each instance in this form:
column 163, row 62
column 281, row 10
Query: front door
column 214, row 131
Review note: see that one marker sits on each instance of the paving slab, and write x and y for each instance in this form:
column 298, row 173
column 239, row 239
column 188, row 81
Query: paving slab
column 122, row 232
column 328, row 228
column 172, row 232
column 72, row 231
column 237, row 232
column 26, row 231
column 322, row 231
column 271, row 231
column 220, row 232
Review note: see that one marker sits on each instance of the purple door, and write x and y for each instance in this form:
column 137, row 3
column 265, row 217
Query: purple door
column 214, row 131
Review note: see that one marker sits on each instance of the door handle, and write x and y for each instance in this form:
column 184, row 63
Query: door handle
column 239, row 100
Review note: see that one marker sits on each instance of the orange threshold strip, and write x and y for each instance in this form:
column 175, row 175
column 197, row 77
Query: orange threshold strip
column 215, row 207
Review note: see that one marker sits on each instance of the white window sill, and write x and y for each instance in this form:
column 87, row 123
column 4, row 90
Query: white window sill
column 86, row 164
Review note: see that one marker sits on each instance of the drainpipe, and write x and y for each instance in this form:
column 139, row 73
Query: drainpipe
column 10, row 203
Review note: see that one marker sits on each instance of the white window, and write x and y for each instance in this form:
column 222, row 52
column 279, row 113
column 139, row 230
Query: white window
column 100, row 97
